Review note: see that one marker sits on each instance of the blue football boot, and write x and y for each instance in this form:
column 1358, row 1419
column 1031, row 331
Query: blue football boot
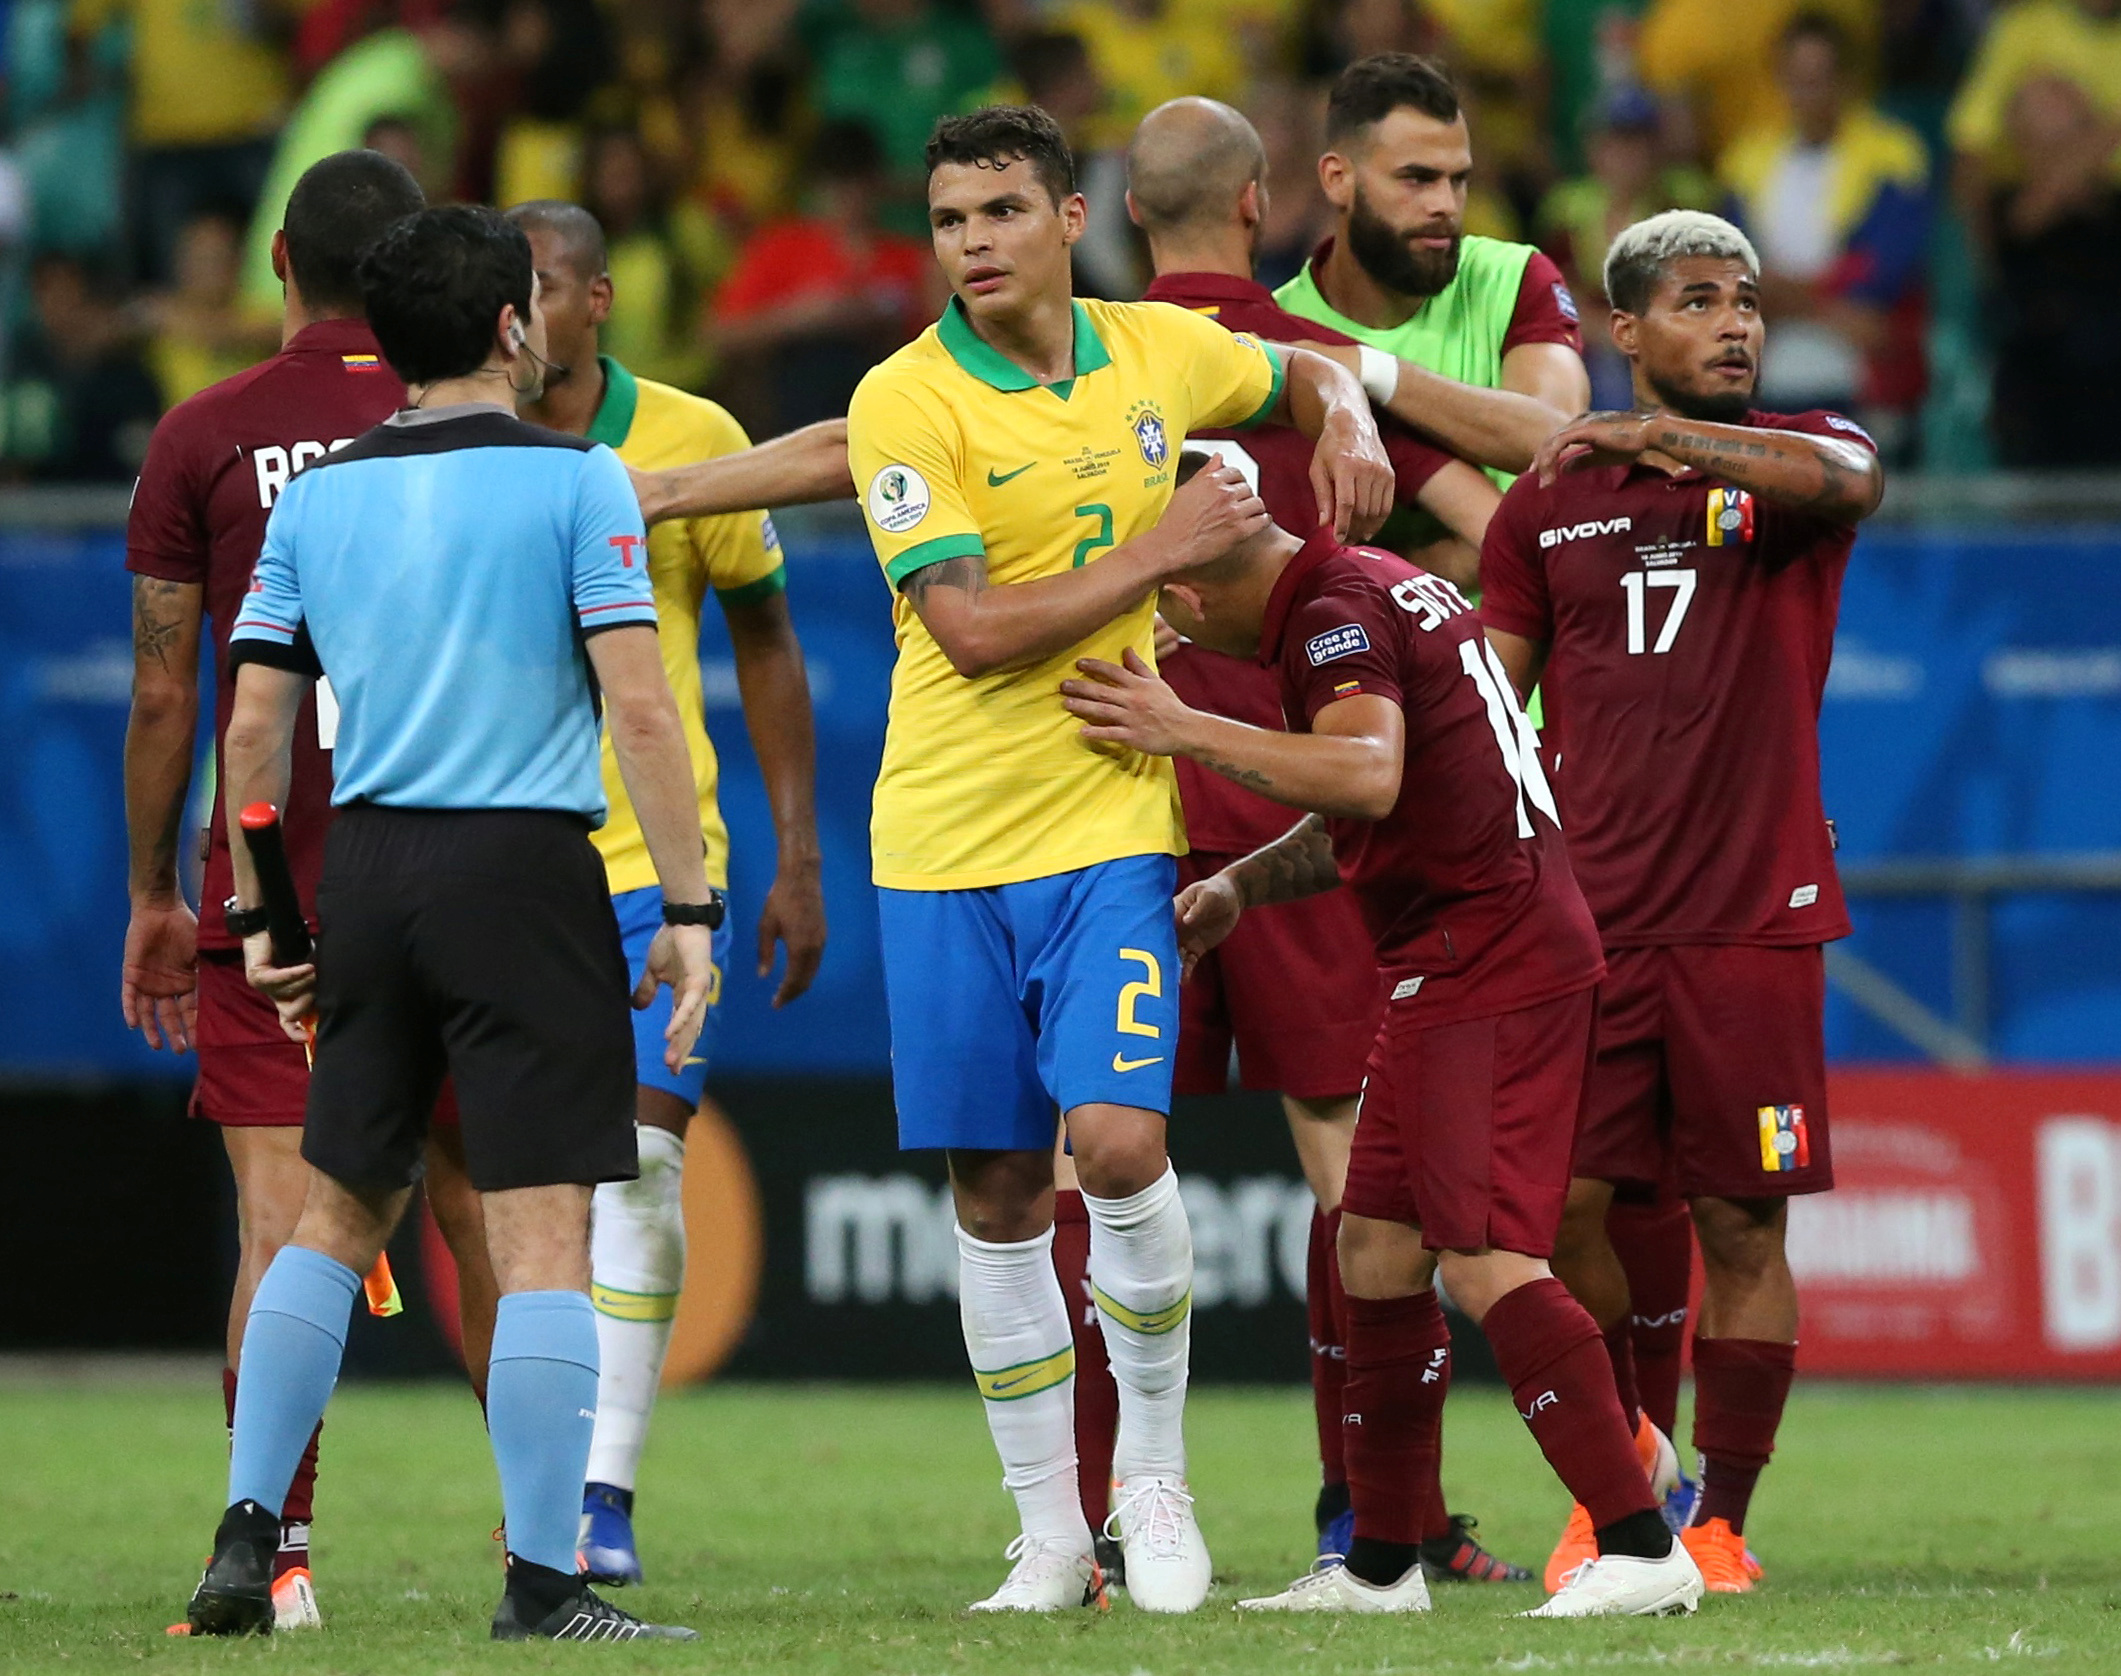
column 606, row 1541
column 1680, row 1502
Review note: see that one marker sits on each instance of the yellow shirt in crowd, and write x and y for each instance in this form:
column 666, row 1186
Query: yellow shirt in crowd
column 2036, row 39
column 199, row 75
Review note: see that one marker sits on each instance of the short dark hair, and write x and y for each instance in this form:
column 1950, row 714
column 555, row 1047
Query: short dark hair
column 581, row 234
column 341, row 205
column 1819, row 26
column 1371, row 89
column 435, row 283
column 997, row 135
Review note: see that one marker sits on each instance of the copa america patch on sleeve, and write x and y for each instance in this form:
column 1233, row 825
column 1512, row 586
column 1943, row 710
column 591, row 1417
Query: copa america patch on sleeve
column 1342, row 642
column 898, row 499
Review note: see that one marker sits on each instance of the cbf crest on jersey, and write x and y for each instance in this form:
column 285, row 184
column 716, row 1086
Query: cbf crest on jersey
column 1146, row 420
column 1730, row 517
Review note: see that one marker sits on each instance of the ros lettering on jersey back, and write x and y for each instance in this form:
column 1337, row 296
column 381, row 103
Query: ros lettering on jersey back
column 275, row 465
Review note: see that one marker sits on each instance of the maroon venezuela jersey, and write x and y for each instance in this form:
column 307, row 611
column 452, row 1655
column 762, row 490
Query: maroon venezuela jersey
column 1223, row 818
column 1465, row 885
column 1689, row 627
column 213, row 471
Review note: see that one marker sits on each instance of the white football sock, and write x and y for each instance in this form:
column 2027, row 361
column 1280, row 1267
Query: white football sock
column 1023, row 1358
column 1141, row 1274
column 637, row 1267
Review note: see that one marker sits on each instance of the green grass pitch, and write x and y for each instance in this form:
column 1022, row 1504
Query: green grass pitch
column 843, row 1531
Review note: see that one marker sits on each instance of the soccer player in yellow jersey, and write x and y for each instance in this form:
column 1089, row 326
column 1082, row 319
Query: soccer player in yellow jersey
column 638, row 1233
column 1015, row 465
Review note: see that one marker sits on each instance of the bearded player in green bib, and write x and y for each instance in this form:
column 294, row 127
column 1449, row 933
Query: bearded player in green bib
column 1473, row 341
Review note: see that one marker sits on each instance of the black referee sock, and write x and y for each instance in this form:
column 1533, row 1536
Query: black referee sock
column 1381, row 1564
column 540, row 1588
column 1641, row 1536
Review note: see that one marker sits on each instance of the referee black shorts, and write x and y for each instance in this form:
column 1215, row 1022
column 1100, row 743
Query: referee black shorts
column 478, row 944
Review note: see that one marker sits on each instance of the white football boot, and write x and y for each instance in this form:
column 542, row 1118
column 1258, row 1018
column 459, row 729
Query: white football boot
column 1330, row 1587
column 1623, row 1586
column 1047, row 1577
column 1166, row 1558
column 294, row 1602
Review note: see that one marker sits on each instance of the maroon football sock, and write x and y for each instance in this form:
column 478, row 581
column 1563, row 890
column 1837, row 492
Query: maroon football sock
column 1552, row 1354
column 1620, row 1351
column 1655, row 1243
column 1399, row 1370
column 1096, row 1396
column 1326, row 1305
column 1740, row 1386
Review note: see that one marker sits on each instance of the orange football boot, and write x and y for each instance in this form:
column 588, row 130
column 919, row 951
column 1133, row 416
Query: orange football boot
column 1720, row 1553
column 1578, row 1544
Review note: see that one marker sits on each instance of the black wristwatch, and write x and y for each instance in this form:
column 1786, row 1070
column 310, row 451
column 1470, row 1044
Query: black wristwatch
column 708, row 913
column 242, row 921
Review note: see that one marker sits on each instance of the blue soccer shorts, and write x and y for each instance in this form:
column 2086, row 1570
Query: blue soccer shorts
column 1015, row 1002
column 640, row 918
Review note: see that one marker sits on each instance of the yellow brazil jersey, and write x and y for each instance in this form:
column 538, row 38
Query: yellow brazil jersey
column 737, row 555
column 958, row 451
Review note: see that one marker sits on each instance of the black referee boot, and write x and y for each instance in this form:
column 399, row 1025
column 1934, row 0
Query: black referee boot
column 546, row 1605
column 234, row 1597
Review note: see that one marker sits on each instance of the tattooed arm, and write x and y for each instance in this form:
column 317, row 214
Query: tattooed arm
column 1297, row 864
column 157, row 987
column 1347, row 765
column 984, row 627
column 1827, row 476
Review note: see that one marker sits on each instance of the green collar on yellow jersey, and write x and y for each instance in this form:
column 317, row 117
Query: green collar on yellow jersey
column 622, row 394
column 995, row 370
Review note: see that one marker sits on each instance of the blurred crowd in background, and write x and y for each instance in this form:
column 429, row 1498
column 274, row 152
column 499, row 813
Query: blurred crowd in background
column 1934, row 185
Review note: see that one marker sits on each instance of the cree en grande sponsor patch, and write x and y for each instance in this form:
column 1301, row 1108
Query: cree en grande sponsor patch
column 1342, row 642
column 898, row 499
column 1783, row 1142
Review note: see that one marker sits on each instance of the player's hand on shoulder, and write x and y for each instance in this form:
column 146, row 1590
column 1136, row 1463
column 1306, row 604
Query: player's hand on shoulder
column 1127, row 704
column 1595, row 439
column 1207, row 911
column 1352, row 476
column 292, row 989
column 1166, row 639
column 158, row 983
column 681, row 956
column 1209, row 516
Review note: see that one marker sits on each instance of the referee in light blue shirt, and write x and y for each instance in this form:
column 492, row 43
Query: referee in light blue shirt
column 468, row 583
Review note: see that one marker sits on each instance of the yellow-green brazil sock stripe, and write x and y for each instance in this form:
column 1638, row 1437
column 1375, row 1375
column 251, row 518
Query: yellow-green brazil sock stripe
column 1026, row 1379
column 1151, row 1321
column 633, row 1306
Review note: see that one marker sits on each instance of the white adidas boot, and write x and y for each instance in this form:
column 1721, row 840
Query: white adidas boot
column 1330, row 1587
column 1047, row 1577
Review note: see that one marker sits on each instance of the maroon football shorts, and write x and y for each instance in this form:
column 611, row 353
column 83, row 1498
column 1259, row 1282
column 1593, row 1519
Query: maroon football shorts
column 252, row 1075
column 1718, row 1053
column 1465, row 1129
column 1294, row 986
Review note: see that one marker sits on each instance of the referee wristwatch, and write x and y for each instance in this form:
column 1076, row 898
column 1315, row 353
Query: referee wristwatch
column 709, row 913
column 242, row 921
